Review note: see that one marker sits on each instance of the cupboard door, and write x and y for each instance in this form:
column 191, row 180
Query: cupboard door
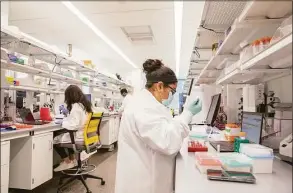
column 4, row 189
column 5, row 175
column 5, row 152
column 42, row 159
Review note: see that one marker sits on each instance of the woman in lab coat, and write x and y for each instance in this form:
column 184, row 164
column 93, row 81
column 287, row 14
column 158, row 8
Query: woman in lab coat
column 78, row 107
column 149, row 137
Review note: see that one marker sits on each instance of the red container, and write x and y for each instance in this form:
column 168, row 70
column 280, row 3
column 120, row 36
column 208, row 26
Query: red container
column 45, row 114
column 195, row 146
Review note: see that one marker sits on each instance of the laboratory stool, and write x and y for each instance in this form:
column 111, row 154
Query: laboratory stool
column 91, row 144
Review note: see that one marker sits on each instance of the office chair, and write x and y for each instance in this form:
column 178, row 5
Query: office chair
column 91, row 143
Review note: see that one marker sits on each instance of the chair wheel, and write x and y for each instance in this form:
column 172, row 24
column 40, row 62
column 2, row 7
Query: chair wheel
column 103, row 183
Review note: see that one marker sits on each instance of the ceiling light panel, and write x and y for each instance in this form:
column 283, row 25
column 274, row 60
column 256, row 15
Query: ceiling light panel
column 139, row 34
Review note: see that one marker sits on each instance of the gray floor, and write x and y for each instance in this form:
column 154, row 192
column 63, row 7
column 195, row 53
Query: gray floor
column 106, row 168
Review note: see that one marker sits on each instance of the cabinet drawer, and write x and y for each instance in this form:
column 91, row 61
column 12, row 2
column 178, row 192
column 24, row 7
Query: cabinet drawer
column 5, row 152
column 4, row 189
column 4, row 175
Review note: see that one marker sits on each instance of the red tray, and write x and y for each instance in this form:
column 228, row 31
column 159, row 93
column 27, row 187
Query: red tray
column 194, row 146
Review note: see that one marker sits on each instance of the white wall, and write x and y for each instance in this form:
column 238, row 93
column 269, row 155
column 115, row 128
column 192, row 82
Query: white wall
column 282, row 88
column 4, row 12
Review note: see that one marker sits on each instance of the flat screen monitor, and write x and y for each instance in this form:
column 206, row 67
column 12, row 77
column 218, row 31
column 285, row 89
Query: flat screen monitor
column 213, row 110
column 89, row 97
column 190, row 87
column 252, row 126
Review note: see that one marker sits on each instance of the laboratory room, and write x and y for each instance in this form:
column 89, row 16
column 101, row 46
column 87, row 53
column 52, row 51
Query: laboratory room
column 146, row 96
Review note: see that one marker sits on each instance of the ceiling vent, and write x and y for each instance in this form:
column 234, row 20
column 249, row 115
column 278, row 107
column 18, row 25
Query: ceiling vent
column 139, row 34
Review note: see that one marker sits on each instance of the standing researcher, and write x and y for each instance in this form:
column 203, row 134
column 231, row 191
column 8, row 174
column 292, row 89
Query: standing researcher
column 149, row 136
column 127, row 97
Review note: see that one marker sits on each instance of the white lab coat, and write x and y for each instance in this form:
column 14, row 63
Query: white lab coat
column 75, row 120
column 149, row 139
column 125, row 101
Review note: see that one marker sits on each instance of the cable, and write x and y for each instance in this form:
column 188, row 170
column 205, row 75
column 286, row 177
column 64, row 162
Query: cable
column 211, row 30
column 56, row 63
column 196, row 50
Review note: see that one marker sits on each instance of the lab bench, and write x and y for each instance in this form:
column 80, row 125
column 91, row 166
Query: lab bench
column 189, row 180
column 27, row 157
column 27, row 154
column 109, row 130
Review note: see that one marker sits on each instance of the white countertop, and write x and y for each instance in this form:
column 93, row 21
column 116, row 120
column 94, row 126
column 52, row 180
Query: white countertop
column 37, row 129
column 189, row 180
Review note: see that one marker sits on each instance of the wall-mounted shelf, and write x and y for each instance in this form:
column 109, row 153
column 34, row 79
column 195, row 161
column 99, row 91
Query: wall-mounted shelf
column 254, row 68
column 28, row 88
column 273, row 54
column 14, row 40
column 34, row 71
column 246, row 31
column 253, row 76
column 253, row 23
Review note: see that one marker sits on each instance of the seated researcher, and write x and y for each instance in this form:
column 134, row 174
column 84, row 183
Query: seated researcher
column 78, row 108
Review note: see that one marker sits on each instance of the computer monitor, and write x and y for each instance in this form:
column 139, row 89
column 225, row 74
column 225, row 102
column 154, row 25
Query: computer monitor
column 252, row 125
column 190, row 87
column 89, row 97
column 213, row 110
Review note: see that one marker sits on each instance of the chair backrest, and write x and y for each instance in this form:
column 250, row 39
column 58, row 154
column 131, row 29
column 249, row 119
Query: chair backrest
column 91, row 131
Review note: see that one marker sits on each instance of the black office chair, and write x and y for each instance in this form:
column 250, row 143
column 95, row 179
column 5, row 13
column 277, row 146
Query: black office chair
column 91, row 144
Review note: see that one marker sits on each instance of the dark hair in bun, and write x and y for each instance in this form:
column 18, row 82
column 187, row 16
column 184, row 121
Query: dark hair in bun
column 152, row 65
column 156, row 71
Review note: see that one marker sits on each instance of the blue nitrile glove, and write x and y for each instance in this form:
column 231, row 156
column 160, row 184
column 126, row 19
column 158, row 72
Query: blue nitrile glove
column 63, row 110
column 195, row 107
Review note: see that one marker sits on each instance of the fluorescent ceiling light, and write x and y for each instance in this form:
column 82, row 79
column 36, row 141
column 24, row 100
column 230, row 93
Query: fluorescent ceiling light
column 178, row 13
column 85, row 20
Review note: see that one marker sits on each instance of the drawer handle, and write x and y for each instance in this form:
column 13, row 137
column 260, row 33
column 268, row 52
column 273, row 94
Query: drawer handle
column 51, row 145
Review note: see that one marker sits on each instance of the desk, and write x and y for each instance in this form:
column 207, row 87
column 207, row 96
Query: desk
column 27, row 156
column 189, row 180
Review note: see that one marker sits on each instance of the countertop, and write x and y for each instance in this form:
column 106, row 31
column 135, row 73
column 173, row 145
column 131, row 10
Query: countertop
column 189, row 180
column 37, row 129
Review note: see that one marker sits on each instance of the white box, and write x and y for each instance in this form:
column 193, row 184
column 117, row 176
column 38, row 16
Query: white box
column 262, row 165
